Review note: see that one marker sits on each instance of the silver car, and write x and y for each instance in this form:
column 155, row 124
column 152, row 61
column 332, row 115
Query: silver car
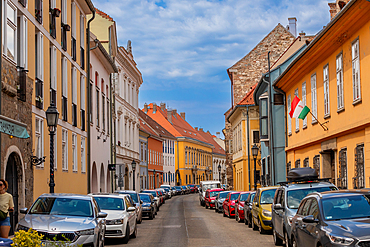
column 69, row 218
column 137, row 203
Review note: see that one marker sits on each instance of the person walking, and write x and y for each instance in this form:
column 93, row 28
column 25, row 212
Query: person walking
column 6, row 206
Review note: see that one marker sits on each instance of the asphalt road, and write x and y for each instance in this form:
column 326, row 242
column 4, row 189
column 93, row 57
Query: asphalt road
column 181, row 221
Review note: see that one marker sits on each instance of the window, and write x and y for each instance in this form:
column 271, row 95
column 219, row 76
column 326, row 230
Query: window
column 83, row 101
column 53, row 74
column 342, row 179
column 23, row 2
column 90, row 103
column 298, row 163
column 288, row 167
column 74, row 96
column 39, row 66
column 359, row 178
column 74, row 153
column 313, row 98
column 306, row 162
column 64, row 150
column 21, row 41
column 39, row 139
column 65, row 27
column 316, row 164
column 103, row 111
column 339, row 66
column 53, row 13
column 314, row 209
column 356, row 71
column 326, row 91
column 97, row 107
column 304, row 100
column 64, row 89
column 264, row 118
column 10, row 35
column 83, row 158
column 289, row 118
column 82, row 41
column 296, row 119
column 73, row 31
column 108, row 117
column 256, row 136
column 38, row 11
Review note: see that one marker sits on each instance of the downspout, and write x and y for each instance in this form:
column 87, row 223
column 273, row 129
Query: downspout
column 88, row 103
column 248, row 145
column 178, row 164
column 270, row 125
column 285, row 116
column 1, row 69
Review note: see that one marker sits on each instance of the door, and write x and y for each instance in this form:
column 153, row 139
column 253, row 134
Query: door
column 12, row 178
column 302, row 231
column 278, row 215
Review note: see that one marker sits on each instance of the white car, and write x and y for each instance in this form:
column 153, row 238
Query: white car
column 121, row 219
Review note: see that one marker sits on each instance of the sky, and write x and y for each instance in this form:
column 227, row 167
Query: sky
column 184, row 47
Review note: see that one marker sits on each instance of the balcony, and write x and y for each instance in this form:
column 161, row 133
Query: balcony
column 64, row 109
column 74, row 52
column 22, row 84
column 83, row 120
column 74, row 115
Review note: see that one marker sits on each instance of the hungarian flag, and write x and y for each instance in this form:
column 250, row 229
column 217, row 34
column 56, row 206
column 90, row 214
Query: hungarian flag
column 298, row 109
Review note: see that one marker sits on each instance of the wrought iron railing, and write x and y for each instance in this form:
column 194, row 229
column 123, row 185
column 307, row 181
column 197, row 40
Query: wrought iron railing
column 74, row 51
column 74, row 114
column 22, row 84
column 64, row 108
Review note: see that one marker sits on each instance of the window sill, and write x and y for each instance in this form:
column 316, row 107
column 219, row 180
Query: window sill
column 64, row 170
column 289, row 134
column 327, row 116
column 357, row 101
column 297, row 130
column 304, row 126
column 314, row 122
column 340, row 110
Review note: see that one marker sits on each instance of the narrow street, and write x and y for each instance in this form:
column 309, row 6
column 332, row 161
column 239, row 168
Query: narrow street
column 181, row 221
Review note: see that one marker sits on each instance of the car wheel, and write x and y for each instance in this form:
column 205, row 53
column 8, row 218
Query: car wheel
column 134, row 234
column 277, row 241
column 260, row 228
column 294, row 242
column 250, row 221
column 236, row 216
column 206, row 206
column 216, row 209
column 223, row 213
column 286, row 239
column 127, row 235
column 254, row 227
column 151, row 215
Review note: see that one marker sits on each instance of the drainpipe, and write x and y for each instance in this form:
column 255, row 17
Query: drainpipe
column 249, row 150
column 271, row 132
column 1, row 39
column 88, row 103
column 285, row 116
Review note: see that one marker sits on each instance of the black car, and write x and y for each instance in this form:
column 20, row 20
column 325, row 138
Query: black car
column 149, row 205
column 336, row 218
column 248, row 209
column 179, row 190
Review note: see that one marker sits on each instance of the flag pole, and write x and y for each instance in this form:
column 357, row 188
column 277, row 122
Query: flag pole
column 322, row 125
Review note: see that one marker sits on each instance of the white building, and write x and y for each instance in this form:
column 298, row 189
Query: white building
column 127, row 120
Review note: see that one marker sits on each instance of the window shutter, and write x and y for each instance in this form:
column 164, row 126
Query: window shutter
column 74, row 85
column 64, row 77
column 289, row 118
column 40, row 56
column 82, row 90
column 297, row 119
column 53, row 67
column 304, row 101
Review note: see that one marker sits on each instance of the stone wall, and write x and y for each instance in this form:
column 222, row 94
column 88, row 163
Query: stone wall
column 18, row 110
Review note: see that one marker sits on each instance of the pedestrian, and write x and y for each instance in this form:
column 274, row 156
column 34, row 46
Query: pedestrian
column 6, row 206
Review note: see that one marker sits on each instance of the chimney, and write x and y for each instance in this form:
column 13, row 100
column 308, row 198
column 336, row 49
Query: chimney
column 293, row 26
column 302, row 35
column 146, row 108
column 200, row 129
column 163, row 106
column 182, row 115
column 169, row 116
column 196, row 128
column 218, row 134
column 154, row 108
column 174, row 112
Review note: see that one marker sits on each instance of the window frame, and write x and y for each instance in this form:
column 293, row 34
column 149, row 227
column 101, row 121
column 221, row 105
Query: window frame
column 314, row 98
column 326, row 88
column 356, row 65
column 74, row 153
column 339, row 75
column 65, row 153
column 39, row 137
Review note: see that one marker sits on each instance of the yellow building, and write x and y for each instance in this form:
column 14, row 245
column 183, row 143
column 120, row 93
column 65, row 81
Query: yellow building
column 244, row 120
column 56, row 36
column 330, row 76
column 193, row 155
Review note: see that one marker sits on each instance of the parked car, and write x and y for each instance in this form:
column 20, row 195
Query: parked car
column 149, row 205
column 301, row 182
column 173, row 191
column 168, row 190
column 156, row 198
column 136, row 200
column 197, row 188
column 248, row 209
column 239, row 206
column 229, row 204
column 211, row 197
column 261, row 209
column 219, row 201
column 186, row 189
column 161, row 196
column 66, row 217
column 122, row 219
column 336, row 218
column 192, row 188
column 179, row 190
column 205, row 185
column 164, row 194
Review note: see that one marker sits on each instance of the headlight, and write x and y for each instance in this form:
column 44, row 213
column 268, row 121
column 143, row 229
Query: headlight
column 266, row 213
column 212, row 201
column 114, row 222
column 339, row 240
column 86, row 232
column 240, row 207
column 20, row 227
column 232, row 206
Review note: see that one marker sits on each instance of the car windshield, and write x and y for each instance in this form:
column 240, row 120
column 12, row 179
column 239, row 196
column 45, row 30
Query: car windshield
column 244, row 197
column 145, row 198
column 151, row 192
column 211, row 186
column 178, row 187
column 133, row 196
column 294, row 197
column 214, row 193
column 234, row 196
column 252, row 196
column 192, row 185
column 62, row 206
column 223, row 195
column 110, row 203
column 346, row 207
column 267, row 196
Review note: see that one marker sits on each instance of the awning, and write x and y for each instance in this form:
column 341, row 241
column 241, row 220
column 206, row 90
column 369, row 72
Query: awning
column 12, row 127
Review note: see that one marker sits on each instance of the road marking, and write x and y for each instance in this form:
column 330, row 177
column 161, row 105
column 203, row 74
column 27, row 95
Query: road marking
column 172, row 226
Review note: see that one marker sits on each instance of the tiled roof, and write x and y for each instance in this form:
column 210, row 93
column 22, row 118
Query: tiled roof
column 104, row 15
column 209, row 138
column 162, row 132
column 178, row 126
column 248, row 98
column 144, row 127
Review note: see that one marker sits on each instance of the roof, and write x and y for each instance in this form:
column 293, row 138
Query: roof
column 144, row 127
column 217, row 149
column 248, row 98
column 162, row 132
column 104, row 15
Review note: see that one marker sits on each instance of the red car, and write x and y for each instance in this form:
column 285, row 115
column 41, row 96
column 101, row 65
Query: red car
column 210, row 197
column 239, row 206
column 229, row 204
column 192, row 188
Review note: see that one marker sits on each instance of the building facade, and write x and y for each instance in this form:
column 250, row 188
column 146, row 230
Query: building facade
column 330, row 76
column 143, row 165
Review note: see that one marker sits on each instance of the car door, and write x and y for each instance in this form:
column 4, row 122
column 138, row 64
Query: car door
column 278, row 214
column 100, row 221
column 131, row 215
column 301, row 227
column 254, row 205
column 312, row 229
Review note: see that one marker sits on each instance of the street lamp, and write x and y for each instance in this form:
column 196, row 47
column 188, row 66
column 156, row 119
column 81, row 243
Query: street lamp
column 169, row 178
column 219, row 173
column 154, row 178
column 133, row 164
column 52, row 116
column 255, row 153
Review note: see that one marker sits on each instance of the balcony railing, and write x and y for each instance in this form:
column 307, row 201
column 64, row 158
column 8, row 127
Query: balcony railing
column 83, row 120
column 74, row 52
column 39, row 89
column 74, row 115
column 82, row 56
column 53, row 96
column 38, row 11
column 22, row 84
column 64, row 109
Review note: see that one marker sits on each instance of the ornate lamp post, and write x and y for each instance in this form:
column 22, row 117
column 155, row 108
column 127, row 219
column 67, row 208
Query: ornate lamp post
column 52, row 116
column 133, row 164
column 219, row 173
column 255, row 153
column 154, row 178
column 169, row 178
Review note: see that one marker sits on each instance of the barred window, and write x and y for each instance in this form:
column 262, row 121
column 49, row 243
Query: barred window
column 316, row 164
column 359, row 179
column 288, row 167
column 342, row 179
column 306, row 162
column 298, row 163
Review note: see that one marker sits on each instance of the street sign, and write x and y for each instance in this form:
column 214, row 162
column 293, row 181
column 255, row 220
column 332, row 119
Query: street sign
column 111, row 167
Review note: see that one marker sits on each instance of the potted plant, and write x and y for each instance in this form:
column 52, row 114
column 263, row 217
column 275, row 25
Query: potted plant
column 55, row 12
column 39, row 99
column 66, row 27
column 28, row 238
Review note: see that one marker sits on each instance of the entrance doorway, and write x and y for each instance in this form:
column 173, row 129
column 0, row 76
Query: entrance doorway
column 328, row 165
column 12, row 177
column 126, row 179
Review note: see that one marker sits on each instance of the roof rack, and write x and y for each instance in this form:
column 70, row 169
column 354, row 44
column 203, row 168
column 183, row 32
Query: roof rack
column 305, row 179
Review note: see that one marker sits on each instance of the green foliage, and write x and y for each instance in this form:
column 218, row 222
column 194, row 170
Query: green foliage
column 26, row 239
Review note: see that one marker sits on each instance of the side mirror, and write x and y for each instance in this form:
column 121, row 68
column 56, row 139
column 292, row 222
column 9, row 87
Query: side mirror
column 155, row 199
column 131, row 209
column 278, row 206
column 23, row 210
column 310, row 219
column 141, row 202
column 102, row 215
